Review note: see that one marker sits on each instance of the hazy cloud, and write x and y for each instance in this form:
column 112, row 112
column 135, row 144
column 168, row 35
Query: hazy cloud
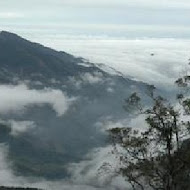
column 70, row 15
column 100, row 3
column 78, row 181
column 85, row 79
column 17, row 98
column 137, row 123
column 98, row 169
column 92, row 78
column 9, row 15
column 19, row 127
column 156, row 61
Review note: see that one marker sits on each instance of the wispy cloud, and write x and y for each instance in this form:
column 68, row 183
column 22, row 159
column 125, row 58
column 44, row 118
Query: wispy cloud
column 8, row 178
column 17, row 98
column 98, row 169
column 10, row 15
column 20, row 127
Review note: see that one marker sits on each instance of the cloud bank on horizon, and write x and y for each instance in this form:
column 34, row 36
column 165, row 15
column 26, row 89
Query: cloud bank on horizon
column 132, row 18
column 155, row 61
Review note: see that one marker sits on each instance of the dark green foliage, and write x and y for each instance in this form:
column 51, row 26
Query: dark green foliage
column 17, row 188
column 159, row 157
column 132, row 103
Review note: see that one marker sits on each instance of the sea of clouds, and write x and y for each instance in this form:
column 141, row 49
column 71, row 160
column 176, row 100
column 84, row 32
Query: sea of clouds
column 155, row 61
column 97, row 171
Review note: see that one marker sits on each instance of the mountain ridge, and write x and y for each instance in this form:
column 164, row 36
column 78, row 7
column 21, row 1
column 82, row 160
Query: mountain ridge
column 56, row 142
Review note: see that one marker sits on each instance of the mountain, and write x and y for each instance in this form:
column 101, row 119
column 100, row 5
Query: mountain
column 16, row 188
column 55, row 141
column 21, row 57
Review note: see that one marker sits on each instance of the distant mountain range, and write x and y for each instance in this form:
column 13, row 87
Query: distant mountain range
column 57, row 141
column 16, row 188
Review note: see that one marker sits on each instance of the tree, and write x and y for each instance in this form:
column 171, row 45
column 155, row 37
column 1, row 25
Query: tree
column 158, row 157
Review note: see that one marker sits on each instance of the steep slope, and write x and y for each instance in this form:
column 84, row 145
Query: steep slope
column 23, row 58
column 55, row 142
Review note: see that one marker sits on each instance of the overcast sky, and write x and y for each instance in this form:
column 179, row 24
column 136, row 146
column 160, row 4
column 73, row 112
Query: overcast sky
column 130, row 18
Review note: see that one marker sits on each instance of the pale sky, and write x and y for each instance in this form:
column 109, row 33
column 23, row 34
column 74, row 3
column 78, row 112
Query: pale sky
column 126, row 18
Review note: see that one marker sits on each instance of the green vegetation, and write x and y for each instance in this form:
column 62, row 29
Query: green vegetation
column 16, row 188
column 157, row 158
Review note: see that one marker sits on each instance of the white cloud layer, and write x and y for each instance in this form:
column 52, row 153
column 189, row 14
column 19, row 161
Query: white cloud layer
column 79, row 181
column 136, row 123
column 8, row 15
column 99, row 3
column 99, row 170
column 124, row 3
column 156, row 61
column 16, row 99
column 19, row 127
column 70, row 15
